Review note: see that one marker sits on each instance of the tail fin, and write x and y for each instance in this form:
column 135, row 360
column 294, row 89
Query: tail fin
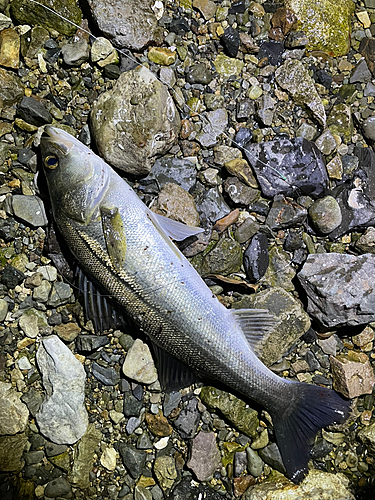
column 311, row 408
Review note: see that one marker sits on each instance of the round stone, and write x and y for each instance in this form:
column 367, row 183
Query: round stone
column 325, row 214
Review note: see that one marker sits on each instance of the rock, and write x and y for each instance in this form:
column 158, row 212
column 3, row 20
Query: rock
column 254, row 463
column 198, row 73
column 52, row 449
column 224, row 258
column 206, row 7
column 367, row 437
column 291, row 321
column 108, row 458
column 11, row 451
column 340, row 121
column 294, row 77
column 13, row 413
column 67, row 331
column 279, row 273
column 316, row 485
column 33, row 112
column 339, row 290
column 328, row 27
column 231, row 41
column 174, row 202
column 205, row 456
column 30, row 209
column 30, row 321
column 366, row 242
column 33, row 399
column 297, row 167
column 161, row 55
column 285, row 213
column 57, row 488
column 335, row 168
column 84, row 457
column 240, row 168
column 326, row 143
column 48, row 273
column 266, row 109
column 9, row 48
column 363, row 338
column 167, row 169
column 214, row 124
column 165, row 471
column 361, row 73
column 271, row 456
column 171, row 401
column 158, row 425
column 34, row 457
column 3, row 309
column 134, row 122
column 132, row 406
column 5, row 22
column 228, row 66
column 101, row 48
column 62, row 417
column 90, row 343
column 211, row 206
column 256, row 258
column 369, row 127
column 133, row 459
column 75, row 54
column 367, row 49
column 11, row 277
column 325, row 214
column 239, row 192
column 41, row 292
column 132, row 25
column 188, row 420
column 272, row 51
column 139, row 364
column 244, row 418
column 61, row 293
column 328, row 346
column 106, row 375
column 352, row 374
column 307, row 131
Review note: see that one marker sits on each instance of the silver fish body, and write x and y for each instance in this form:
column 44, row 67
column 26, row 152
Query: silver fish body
column 123, row 245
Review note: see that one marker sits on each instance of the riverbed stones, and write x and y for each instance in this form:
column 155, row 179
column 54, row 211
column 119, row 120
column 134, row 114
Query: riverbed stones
column 205, row 456
column 325, row 214
column 62, row 417
column 339, row 288
column 135, row 121
column 139, row 364
column 13, row 413
column 352, row 374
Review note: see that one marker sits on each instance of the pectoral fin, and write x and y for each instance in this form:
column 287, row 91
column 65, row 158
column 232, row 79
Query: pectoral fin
column 114, row 233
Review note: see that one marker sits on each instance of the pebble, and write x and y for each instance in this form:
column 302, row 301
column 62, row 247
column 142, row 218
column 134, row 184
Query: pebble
column 3, row 309
column 48, row 273
column 352, row 374
column 205, row 456
column 29, row 209
column 325, row 214
column 254, row 463
column 139, row 364
column 188, row 420
column 108, row 458
column 60, row 294
column 75, row 54
column 256, row 257
column 57, row 487
column 133, row 459
column 90, row 343
column 106, row 375
column 165, row 471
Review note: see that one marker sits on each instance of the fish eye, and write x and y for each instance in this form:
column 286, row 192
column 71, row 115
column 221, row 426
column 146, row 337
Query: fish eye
column 51, row 162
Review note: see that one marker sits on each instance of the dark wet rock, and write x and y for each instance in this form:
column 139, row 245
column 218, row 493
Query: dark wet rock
column 8, row 229
column 132, row 25
column 224, row 258
column 272, row 51
column 285, row 213
column 133, row 459
column 211, row 206
column 291, row 321
column 361, row 73
column 294, row 77
column 293, row 241
column 106, row 375
column 231, row 41
column 90, row 343
column 170, row 169
column 198, row 73
column 246, row 230
column 338, row 288
column 288, row 166
column 205, row 456
column 256, row 258
column 57, row 487
column 34, row 112
column 11, row 451
column 29, row 209
column 171, row 401
column 325, row 214
column 244, row 135
column 62, row 417
column 52, row 449
column 245, row 109
column 33, row 399
column 132, row 406
column 296, row 39
column 75, row 54
column 271, row 456
column 187, row 489
column 244, row 418
column 320, row 449
column 134, row 122
column 30, row 13
column 239, row 192
column 188, row 420
column 357, row 201
column 11, row 277
column 369, row 127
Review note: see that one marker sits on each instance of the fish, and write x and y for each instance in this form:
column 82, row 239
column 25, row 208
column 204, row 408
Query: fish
column 127, row 249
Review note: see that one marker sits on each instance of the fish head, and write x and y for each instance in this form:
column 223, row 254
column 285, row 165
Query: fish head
column 77, row 178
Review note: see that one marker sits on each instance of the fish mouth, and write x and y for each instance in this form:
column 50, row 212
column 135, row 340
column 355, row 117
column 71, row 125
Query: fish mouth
column 59, row 138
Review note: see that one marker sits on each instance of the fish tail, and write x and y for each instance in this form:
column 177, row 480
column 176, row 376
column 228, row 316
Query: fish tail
column 310, row 408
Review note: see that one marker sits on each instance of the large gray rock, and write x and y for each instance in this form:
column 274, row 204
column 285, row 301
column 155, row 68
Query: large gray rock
column 62, row 417
column 291, row 321
column 134, row 122
column 131, row 24
column 340, row 288
column 13, row 413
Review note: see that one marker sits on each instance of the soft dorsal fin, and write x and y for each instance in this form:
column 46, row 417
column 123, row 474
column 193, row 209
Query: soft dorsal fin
column 176, row 230
column 255, row 323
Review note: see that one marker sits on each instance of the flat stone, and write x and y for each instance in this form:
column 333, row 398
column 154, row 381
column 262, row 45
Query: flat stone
column 339, row 289
column 84, row 457
column 57, row 488
column 30, row 209
column 364, row 337
column 75, row 54
column 366, row 243
column 188, row 420
column 228, row 66
column 3, row 309
column 161, row 55
column 67, row 331
column 352, row 374
column 11, row 452
column 108, row 458
column 206, row 7
column 139, row 364
column 205, row 456
column 41, row 292
column 61, row 293
column 285, row 213
column 158, row 425
column 367, row 437
column 177, row 204
column 90, row 343
column 215, row 124
column 133, row 459
column 106, row 375
column 165, row 471
column 11, row 88
column 361, row 73
column 326, row 142
column 294, row 77
column 62, row 417
column 9, row 48
column 13, row 413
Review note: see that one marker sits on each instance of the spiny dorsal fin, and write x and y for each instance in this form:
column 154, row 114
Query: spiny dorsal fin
column 255, row 323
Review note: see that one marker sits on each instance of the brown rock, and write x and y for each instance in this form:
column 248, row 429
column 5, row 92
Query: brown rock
column 189, row 148
column 158, row 424
column 11, row 451
column 186, row 129
column 242, row 170
column 248, row 44
column 363, row 338
column 10, row 48
column 176, row 203
column 284, row 19
column 240, row 484
column 352, row 374
column 67, row 332
column 367, row 49
column 205, row 456
column 223, row 224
